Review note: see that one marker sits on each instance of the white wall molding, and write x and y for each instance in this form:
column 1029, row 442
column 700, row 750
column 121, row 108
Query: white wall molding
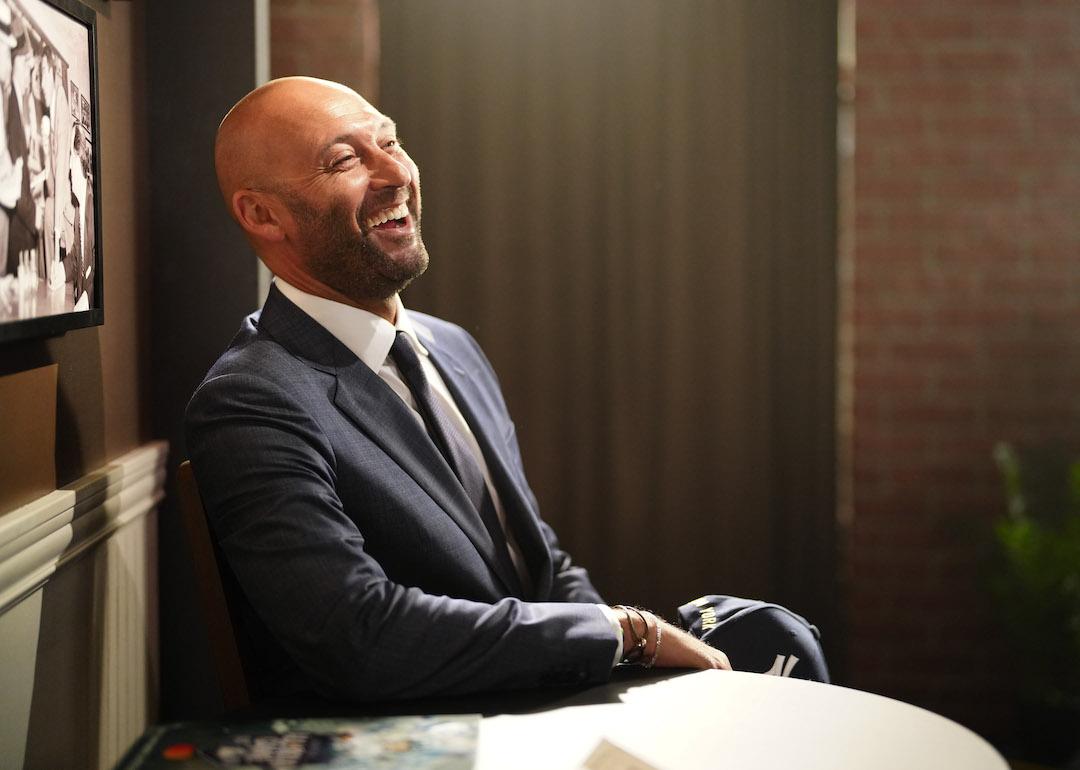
column 40, row 537
column 78, row 616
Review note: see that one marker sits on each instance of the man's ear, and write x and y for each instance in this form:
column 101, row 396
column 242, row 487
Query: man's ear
column 259, row 214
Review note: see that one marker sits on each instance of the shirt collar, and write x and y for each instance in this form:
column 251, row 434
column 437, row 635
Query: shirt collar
column 367, row 335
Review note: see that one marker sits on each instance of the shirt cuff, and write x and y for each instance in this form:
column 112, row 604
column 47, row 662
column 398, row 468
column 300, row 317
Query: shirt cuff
column 616, row 628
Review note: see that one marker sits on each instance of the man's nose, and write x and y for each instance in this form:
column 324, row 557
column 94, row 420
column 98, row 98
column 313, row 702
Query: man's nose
column 388, row 171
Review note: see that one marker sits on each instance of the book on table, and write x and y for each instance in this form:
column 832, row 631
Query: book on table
column 386, row 743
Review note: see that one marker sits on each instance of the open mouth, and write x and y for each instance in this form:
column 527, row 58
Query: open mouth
column 389, row 219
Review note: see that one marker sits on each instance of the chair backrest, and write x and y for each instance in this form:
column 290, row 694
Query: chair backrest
column 223, row 640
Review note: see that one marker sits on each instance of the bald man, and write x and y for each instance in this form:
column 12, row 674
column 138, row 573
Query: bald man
column 357, row 461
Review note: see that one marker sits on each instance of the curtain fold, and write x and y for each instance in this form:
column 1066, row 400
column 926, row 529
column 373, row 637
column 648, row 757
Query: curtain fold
column 631, row 205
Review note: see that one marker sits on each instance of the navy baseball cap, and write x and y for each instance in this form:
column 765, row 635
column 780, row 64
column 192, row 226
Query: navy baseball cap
column 757, row 636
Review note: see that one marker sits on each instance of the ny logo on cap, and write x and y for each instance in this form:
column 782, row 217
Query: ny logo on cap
column 780, row 668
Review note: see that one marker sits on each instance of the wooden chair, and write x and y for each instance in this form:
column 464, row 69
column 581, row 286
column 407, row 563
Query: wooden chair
column 215, row 606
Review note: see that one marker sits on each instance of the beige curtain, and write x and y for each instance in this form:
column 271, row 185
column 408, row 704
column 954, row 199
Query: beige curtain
column 631, row 205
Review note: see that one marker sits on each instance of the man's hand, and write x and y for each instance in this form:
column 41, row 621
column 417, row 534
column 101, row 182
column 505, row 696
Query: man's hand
column 677, row 649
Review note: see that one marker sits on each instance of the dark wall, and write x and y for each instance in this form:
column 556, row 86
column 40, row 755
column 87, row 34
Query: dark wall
column 204, row 280
column 632, row 206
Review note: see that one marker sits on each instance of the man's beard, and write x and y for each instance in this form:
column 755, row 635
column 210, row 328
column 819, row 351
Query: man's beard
column 351, row 262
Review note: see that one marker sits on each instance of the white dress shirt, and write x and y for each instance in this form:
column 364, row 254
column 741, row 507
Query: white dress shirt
column 370, row 337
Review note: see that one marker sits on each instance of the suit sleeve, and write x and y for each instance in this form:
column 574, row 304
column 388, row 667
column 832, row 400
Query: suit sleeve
column 267, row 476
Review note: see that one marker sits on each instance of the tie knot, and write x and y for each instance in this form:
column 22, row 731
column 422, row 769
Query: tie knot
column 403, row 348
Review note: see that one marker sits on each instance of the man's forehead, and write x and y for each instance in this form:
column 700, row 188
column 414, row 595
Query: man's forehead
column 357, row 121
column 347, row 122
column 345, row 104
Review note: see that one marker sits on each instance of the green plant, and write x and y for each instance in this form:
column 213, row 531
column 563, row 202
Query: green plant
column 1036, row 579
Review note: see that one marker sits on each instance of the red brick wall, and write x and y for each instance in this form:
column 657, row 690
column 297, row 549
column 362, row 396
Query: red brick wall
column 966, row 314
column 333, row 39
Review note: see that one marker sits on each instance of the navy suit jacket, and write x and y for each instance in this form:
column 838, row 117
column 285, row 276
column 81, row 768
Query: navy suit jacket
column 364, row 570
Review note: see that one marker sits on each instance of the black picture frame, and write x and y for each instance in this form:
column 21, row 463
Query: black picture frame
column 55, row 40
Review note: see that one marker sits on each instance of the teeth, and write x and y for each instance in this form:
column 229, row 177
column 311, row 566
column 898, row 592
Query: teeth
column 398, row 212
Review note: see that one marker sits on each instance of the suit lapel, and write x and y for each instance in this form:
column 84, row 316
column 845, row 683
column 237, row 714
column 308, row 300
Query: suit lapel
column 377, row 411
column 383, row 416
column 462, row 385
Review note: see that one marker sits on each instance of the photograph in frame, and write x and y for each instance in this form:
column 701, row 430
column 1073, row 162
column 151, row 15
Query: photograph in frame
column 50, row 256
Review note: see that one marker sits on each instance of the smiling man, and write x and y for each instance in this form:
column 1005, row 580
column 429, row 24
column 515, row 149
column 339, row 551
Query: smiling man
column 357, row 461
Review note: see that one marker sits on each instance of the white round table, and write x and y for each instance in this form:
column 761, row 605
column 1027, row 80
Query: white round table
column 723, row 719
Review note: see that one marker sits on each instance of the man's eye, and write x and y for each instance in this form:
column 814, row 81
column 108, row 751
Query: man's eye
column 391, row 144
column 343, row 161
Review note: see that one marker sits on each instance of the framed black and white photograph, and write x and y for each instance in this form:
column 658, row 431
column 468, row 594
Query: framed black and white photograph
column 50, row 253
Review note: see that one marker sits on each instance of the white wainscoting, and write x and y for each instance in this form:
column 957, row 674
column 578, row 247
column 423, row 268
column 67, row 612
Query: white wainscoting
column 78, row 617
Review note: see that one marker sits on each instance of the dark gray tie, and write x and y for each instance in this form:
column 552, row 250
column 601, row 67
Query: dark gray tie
column 453, row 447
